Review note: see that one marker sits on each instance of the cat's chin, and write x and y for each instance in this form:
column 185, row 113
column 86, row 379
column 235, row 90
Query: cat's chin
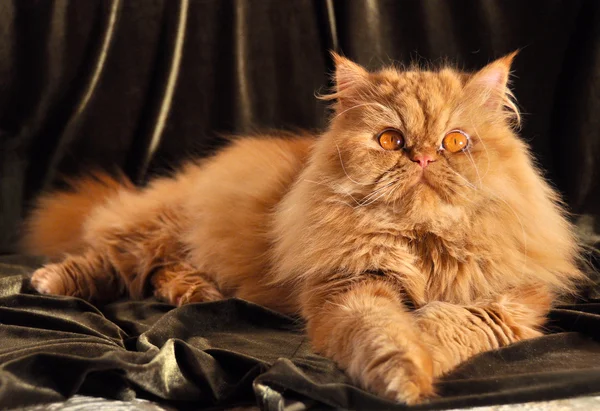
column 424, row 183
column 426, row 197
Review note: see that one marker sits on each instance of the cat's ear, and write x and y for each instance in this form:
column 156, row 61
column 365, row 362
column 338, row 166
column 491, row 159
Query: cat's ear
column 490, row 84
column 348, row 74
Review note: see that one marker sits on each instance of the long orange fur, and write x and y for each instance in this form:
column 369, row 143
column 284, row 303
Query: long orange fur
column 401, row 272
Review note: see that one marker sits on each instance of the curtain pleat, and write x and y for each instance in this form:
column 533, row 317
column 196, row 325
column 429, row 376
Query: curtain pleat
column 141, row 85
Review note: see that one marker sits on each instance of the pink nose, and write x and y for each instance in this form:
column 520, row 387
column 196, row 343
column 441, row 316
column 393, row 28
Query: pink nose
column 423, row 159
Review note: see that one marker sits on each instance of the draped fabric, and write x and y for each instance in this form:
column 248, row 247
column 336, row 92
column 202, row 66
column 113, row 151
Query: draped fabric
column 233, row 353
column 140, row 85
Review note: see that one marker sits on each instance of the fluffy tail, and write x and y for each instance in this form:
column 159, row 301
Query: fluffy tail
column 55, row 225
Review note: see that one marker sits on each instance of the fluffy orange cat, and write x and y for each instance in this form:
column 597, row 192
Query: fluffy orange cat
column 414, row 233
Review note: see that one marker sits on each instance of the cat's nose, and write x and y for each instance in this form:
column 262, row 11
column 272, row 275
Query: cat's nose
column 423, row 159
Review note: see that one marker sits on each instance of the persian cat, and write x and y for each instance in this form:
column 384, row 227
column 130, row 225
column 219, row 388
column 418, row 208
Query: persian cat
column 414, row 233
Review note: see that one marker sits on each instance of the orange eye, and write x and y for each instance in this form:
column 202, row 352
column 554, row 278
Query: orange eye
column 391, row 139
column 455, row 141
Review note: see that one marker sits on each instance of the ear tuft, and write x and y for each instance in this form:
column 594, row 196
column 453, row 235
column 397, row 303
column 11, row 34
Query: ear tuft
column 495, row 75
column 347, row 73
column 490, row 86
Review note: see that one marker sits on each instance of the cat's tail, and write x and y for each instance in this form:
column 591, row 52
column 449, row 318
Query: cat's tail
column 54, row 227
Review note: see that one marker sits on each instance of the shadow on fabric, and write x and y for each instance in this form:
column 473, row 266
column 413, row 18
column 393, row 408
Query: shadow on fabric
column 234, row 353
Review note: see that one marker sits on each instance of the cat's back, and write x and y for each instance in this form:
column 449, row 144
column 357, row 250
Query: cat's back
column 251, row 165
column 230, row 199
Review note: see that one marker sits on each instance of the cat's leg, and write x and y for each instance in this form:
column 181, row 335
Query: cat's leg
column 124, row 245
column 90, row 276
column 180, row 283
column 455, row 333
column 128, row 237
column 363, row 326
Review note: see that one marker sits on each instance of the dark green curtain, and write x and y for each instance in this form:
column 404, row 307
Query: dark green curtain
column 142, row 84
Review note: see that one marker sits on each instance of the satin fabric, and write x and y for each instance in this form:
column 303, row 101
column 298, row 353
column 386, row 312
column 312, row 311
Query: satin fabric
column 234, row 353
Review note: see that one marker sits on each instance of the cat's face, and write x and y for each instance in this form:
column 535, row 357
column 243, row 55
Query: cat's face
column 424, row 139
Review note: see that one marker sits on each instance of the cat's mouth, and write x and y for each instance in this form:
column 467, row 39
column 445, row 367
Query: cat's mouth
column 425, row 179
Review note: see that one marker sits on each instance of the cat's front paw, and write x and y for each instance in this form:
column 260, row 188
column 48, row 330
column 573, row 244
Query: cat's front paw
column 399, row 376
column 200, row 293
column 181, row 284
column 46, row 280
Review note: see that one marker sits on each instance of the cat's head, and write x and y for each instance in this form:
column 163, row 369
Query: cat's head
column 426, row 161
column 422, row 139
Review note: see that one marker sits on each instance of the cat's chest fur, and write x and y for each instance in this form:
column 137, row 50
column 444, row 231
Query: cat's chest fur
column 430, row 255
column 446, row 268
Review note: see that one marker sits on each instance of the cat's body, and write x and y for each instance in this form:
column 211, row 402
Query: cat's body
column 348, row 229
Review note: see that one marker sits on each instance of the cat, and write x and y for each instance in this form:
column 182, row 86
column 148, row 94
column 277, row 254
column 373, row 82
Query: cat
column 413, row 234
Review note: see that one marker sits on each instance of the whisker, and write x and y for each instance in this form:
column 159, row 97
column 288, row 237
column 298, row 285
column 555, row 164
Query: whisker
column 469, row 184
column 389, row 194
column 374, row 166
column 372, row 201
column 458, row 193
column 317, row 183
column 344, row 168
column 332, row 188
column 487, row 153
column 474, row 166
column 360, row 105
column 394, row 191
column 374, row 192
